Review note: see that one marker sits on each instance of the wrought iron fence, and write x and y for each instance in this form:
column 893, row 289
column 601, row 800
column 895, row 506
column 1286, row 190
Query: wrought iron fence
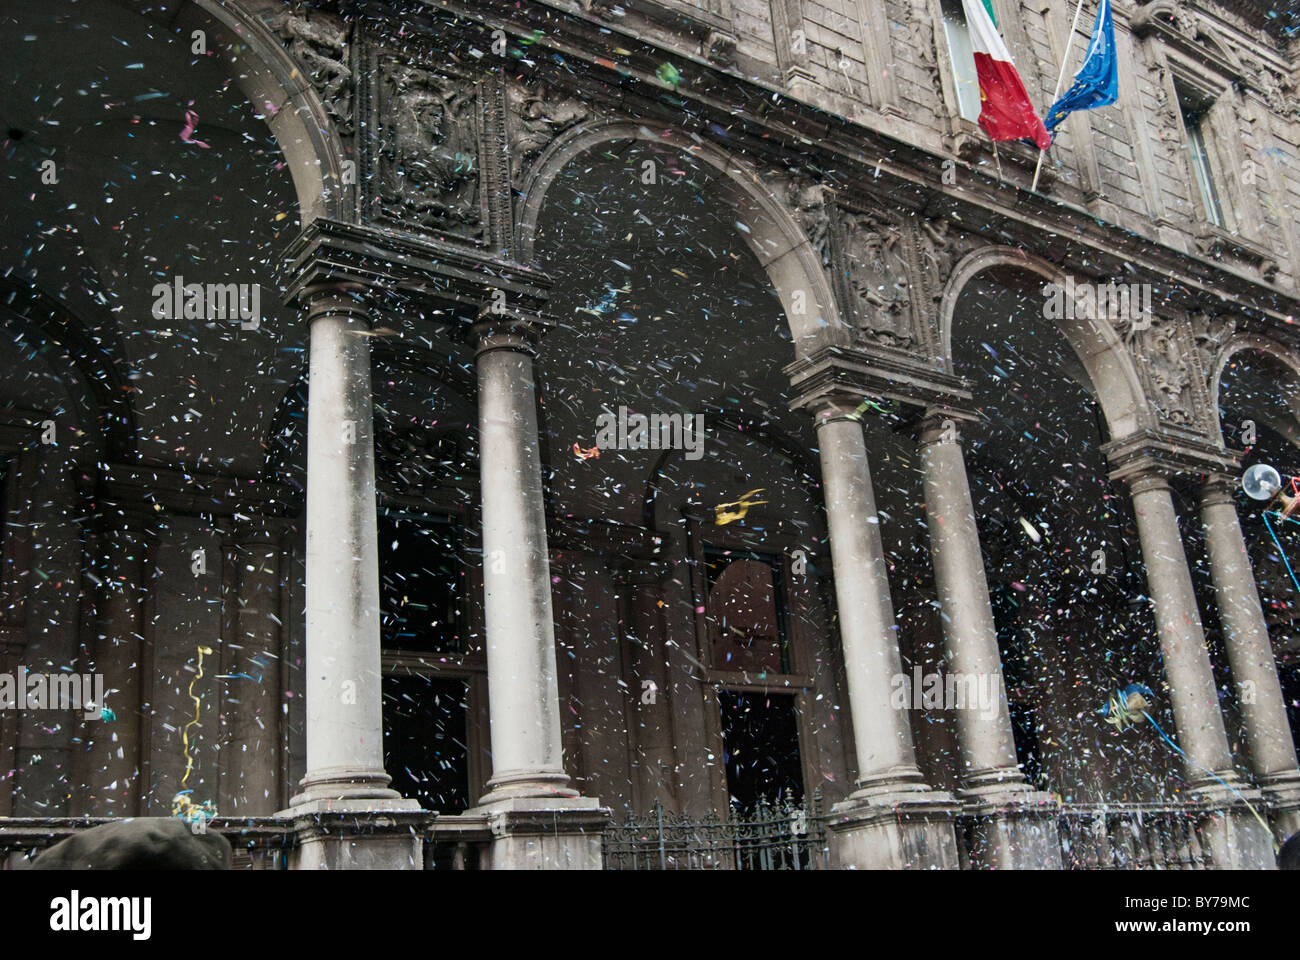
column 1132, row 837
column 772, row 835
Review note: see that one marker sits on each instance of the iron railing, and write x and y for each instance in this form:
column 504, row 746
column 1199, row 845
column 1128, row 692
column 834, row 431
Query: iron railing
column 771, row 835
column 774, row 835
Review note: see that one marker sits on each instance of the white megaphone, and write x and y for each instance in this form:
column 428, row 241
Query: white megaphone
column 1262, row 482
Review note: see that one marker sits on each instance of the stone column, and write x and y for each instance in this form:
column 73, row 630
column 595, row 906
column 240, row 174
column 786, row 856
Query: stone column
column 345, row 773
column 1250, row 654
column 1233, row 837
column 988, row 746
column 538, row 820
column 1182, row 640
column 893, row 819
column 1017, row 826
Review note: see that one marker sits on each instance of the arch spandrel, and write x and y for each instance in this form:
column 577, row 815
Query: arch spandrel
column 281, row 89
column 780, row 245
column 1246, row 342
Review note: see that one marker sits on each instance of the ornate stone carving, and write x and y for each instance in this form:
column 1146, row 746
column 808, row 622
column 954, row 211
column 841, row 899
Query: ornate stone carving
column 920, row 24
column 938, row 253
column 597, row 8
column 319, row 42
column 537, row 118
column 1166, row 117
column 720, row 49
column 1275, row 90
column 1176, row 23
column 875, row 266
column 1162, row 359
column 1211, row 334
column 429, row 161
column 807, row 201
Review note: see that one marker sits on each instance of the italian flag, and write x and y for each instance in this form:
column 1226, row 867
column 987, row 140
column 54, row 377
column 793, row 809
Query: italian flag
column 1006, row 112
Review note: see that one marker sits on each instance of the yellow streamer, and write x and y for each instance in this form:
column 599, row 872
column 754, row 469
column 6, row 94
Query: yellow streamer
column 182, row 805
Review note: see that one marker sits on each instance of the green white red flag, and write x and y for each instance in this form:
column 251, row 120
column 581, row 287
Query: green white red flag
column 1005, row 110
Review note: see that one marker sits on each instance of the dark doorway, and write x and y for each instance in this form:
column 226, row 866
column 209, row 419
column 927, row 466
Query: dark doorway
column 420, row 584
column 421, row 623
column 760, row 737
column 424, row 740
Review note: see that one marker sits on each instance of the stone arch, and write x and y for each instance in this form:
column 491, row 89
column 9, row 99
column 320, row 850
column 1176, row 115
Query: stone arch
column 95, row 358
column 1098, row 346
column 1257, row 343
column 265, row 73
column 781, row 247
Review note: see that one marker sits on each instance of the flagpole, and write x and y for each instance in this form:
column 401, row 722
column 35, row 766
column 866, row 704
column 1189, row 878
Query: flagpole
column 1060, row 78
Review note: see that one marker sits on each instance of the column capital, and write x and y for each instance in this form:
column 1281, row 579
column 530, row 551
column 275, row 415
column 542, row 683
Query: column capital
column 867, row 371
column 1147, row 480
column 835, row 406
column 405, row 267
column 1217, row 489
column 337, row 300
column 941, row 424
column 512, row 329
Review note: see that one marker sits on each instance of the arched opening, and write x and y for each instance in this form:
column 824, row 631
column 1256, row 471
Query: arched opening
column 1062, row 555
column 152, row 179
column 689, row 560
column 1259, row 412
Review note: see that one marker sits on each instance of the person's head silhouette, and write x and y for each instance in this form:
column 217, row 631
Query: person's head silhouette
column 1288, row 858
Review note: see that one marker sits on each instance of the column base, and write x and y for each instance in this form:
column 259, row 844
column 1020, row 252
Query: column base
column 555, row 833
column 358, row 834
column 1233, row 837
column 1012, row 829
column 1282, row 794
column 908, row 830
column 323, row 786
column 539, row 787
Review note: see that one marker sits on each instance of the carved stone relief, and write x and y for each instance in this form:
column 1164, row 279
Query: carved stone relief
column 1163, row 359
column 1211, row 335
column 876, row 277
column 1276, row 90
column 720, row 49
column 428, row 162
column 921, row 26
column 1168, row 126
column 536, row 117
column 807, row 202
column 319, row 42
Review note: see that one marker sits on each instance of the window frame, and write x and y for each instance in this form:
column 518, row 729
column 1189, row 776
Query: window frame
column 952, row 73
column 1208, row 98
column 1202, row 169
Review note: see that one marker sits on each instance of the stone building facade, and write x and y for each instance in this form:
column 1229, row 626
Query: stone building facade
column 360, row 557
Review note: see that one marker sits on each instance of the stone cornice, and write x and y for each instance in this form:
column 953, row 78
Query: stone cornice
column 872, row 371
column 392, row 263
column 1149, row 453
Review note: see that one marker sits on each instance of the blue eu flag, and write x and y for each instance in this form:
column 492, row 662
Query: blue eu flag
column 1097, row 82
